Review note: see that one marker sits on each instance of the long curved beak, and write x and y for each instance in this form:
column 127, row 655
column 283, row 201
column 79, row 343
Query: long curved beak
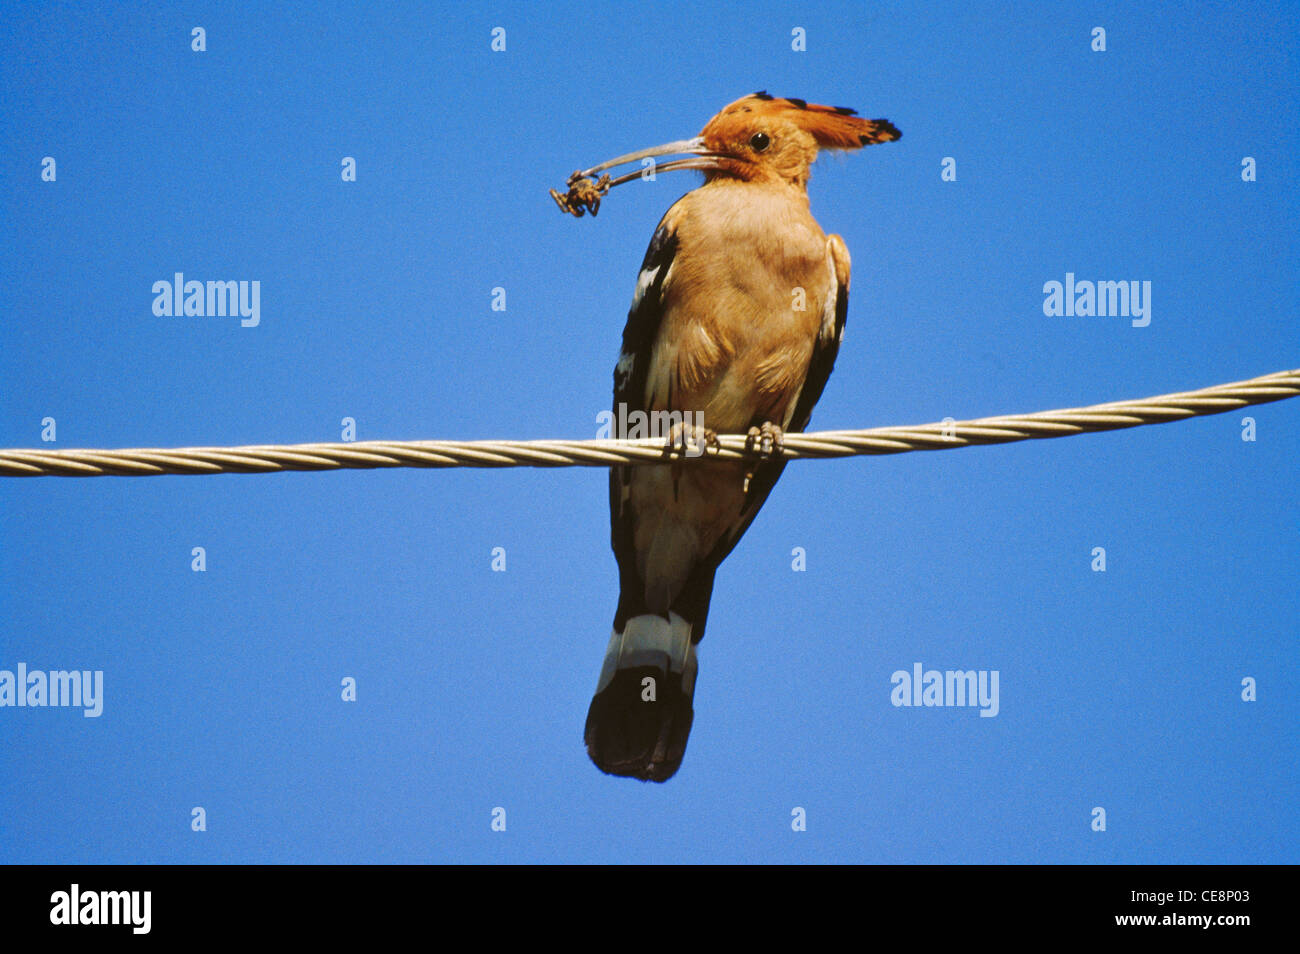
column 584, row 194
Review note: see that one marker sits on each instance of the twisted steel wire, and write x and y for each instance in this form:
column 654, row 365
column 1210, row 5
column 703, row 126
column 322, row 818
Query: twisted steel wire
column 943, row 435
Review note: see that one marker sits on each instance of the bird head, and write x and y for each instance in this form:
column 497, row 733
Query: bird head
column 761, row 138
column 758, row 138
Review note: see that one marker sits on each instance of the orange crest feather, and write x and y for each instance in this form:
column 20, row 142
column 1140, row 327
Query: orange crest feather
column 833, row 127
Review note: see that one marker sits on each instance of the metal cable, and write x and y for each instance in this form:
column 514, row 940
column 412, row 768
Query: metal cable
column 265, row 458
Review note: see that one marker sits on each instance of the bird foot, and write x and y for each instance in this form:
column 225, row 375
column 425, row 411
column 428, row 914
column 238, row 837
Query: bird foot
column 767, row 441
column 690, row 440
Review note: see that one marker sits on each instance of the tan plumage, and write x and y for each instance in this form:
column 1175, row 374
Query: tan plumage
column 737, row 349
column 737, row 318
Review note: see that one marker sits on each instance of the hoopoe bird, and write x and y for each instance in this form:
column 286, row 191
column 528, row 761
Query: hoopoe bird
column 737, row 318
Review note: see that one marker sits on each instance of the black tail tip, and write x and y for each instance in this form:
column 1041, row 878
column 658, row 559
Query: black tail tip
column 638, row 725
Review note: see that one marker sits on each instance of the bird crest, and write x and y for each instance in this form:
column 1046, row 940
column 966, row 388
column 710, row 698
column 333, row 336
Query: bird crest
column 831, row 127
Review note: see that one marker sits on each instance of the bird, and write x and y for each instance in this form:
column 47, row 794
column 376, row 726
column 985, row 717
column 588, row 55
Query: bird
column 736, row 321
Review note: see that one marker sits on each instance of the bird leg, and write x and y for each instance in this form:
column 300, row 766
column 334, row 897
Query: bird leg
column 687, row 440
column 690, row 440
column 765, row 443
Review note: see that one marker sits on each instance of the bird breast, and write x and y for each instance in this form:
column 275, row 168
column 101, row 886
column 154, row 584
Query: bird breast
column 743, row 304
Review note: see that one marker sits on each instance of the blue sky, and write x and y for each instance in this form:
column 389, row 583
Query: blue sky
column 1119, row 690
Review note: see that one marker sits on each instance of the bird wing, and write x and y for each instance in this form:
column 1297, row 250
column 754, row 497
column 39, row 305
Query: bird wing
column 630, row 378
column 827, row 347
column 644, row 318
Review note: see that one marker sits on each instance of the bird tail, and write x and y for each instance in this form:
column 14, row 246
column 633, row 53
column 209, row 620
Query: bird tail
column 641, row 715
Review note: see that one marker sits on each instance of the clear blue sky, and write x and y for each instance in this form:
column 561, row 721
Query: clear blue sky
column 222, row 689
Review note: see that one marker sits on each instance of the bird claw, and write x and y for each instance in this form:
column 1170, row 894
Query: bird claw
column 583, row 194
column 685, row 440
column 767, row 441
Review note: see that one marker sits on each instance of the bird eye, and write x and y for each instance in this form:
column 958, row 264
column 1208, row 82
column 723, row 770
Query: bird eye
column 759, row 141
